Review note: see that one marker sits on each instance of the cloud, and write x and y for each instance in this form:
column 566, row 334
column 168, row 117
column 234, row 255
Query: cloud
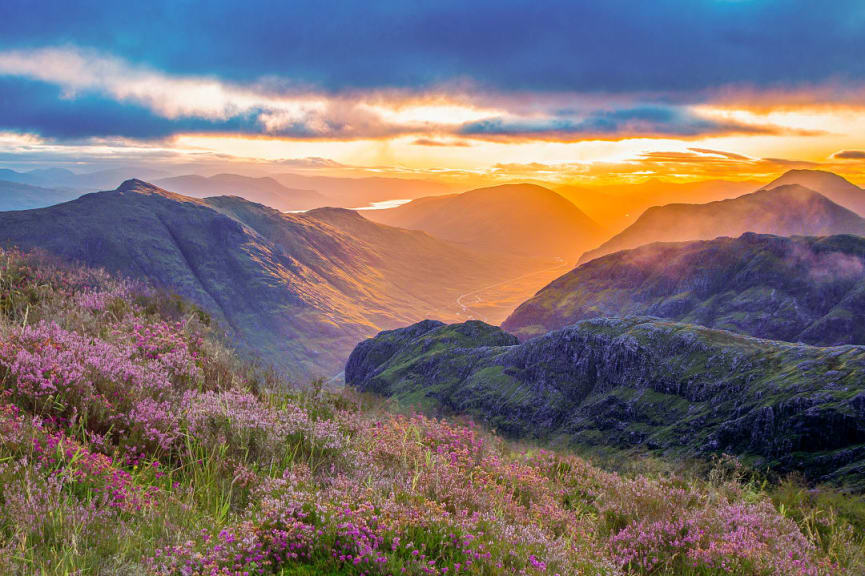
column 311, row 163
column 85, row 73
column 789, row 163
column 442, row 143
column 645, row 121
column 849, row 155
column 710, row 152
column 70, row 92
column 671, row 46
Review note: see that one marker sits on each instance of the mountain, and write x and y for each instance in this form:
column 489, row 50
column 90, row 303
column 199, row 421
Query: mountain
column 834, row 187
column 618, row 206
column 520, row 219
column 300, row 289
column 636, row 383
column 265, row 190
column 799, row 289
column 17, row 196
column 360, row 192
column 252, row 480
column 38, row 177
column 784, row 210
column 63, row 179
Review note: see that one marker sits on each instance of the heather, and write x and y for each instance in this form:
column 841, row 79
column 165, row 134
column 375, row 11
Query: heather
column 134, row 441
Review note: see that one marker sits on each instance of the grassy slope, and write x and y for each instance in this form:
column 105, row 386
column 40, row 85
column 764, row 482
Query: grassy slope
column 234, row 472
column 800, row 289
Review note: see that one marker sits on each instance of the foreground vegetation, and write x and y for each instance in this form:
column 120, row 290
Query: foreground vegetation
column 133, row 442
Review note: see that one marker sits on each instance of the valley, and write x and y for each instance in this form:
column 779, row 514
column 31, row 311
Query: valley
column 522, row 288
column 715, row 351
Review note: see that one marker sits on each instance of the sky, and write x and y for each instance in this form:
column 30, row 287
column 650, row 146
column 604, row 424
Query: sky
column 572, row 92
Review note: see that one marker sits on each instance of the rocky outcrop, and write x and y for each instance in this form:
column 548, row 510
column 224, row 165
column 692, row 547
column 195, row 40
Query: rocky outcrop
column 636, row 383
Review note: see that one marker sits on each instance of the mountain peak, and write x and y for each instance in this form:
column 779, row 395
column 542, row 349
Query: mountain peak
column 833, row 186
column 136, row 186
column 790, row 208
column 812, row 172
column 812, row 179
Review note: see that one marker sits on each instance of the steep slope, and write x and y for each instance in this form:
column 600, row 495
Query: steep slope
column 301, row 289
column 831, row 185
column 799, row 289
column 520, row 219
column 265, row 191
column 636, row 382
column 618, row 206
column 785, row 210
column 16, row 196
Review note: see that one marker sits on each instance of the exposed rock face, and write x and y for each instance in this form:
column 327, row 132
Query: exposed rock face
column 636, row 382
column 799, row 289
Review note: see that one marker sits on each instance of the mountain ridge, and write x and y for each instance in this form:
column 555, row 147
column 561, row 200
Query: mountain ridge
column 262, row 190
column 808, row 289
column 524, row 219
column 784, row 210
column 833, row 186
column 300, row 289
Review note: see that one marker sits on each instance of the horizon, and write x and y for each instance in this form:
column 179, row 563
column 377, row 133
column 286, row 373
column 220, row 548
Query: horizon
column 432, row 288
column 449, row 94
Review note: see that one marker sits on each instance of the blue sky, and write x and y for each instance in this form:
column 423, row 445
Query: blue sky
column 504, row 71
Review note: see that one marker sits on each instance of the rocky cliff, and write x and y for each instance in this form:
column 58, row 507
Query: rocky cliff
column 636, row 383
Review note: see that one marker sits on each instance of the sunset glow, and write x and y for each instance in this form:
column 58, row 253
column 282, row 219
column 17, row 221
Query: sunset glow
column 427, row 113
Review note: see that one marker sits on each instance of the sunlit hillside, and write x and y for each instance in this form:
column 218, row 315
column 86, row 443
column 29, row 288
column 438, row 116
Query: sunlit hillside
column 531, row 288
column 132, row 441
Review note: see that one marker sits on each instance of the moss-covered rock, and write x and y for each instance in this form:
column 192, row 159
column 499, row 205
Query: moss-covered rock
column 636, row 382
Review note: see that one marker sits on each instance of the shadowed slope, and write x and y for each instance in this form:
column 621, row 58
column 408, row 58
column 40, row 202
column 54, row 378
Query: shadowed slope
column 301, row 289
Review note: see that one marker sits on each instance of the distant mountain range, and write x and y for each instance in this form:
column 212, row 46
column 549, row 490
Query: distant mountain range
column 636, row 383
column 298, row 289
column 17, row 196
column 265, row 190
column 783, row 210
column 618, row 206
column 63, row 179
column 522, row 219
column 359, row 192
column 799, row 289
column 834, row 187
column 286, row 191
